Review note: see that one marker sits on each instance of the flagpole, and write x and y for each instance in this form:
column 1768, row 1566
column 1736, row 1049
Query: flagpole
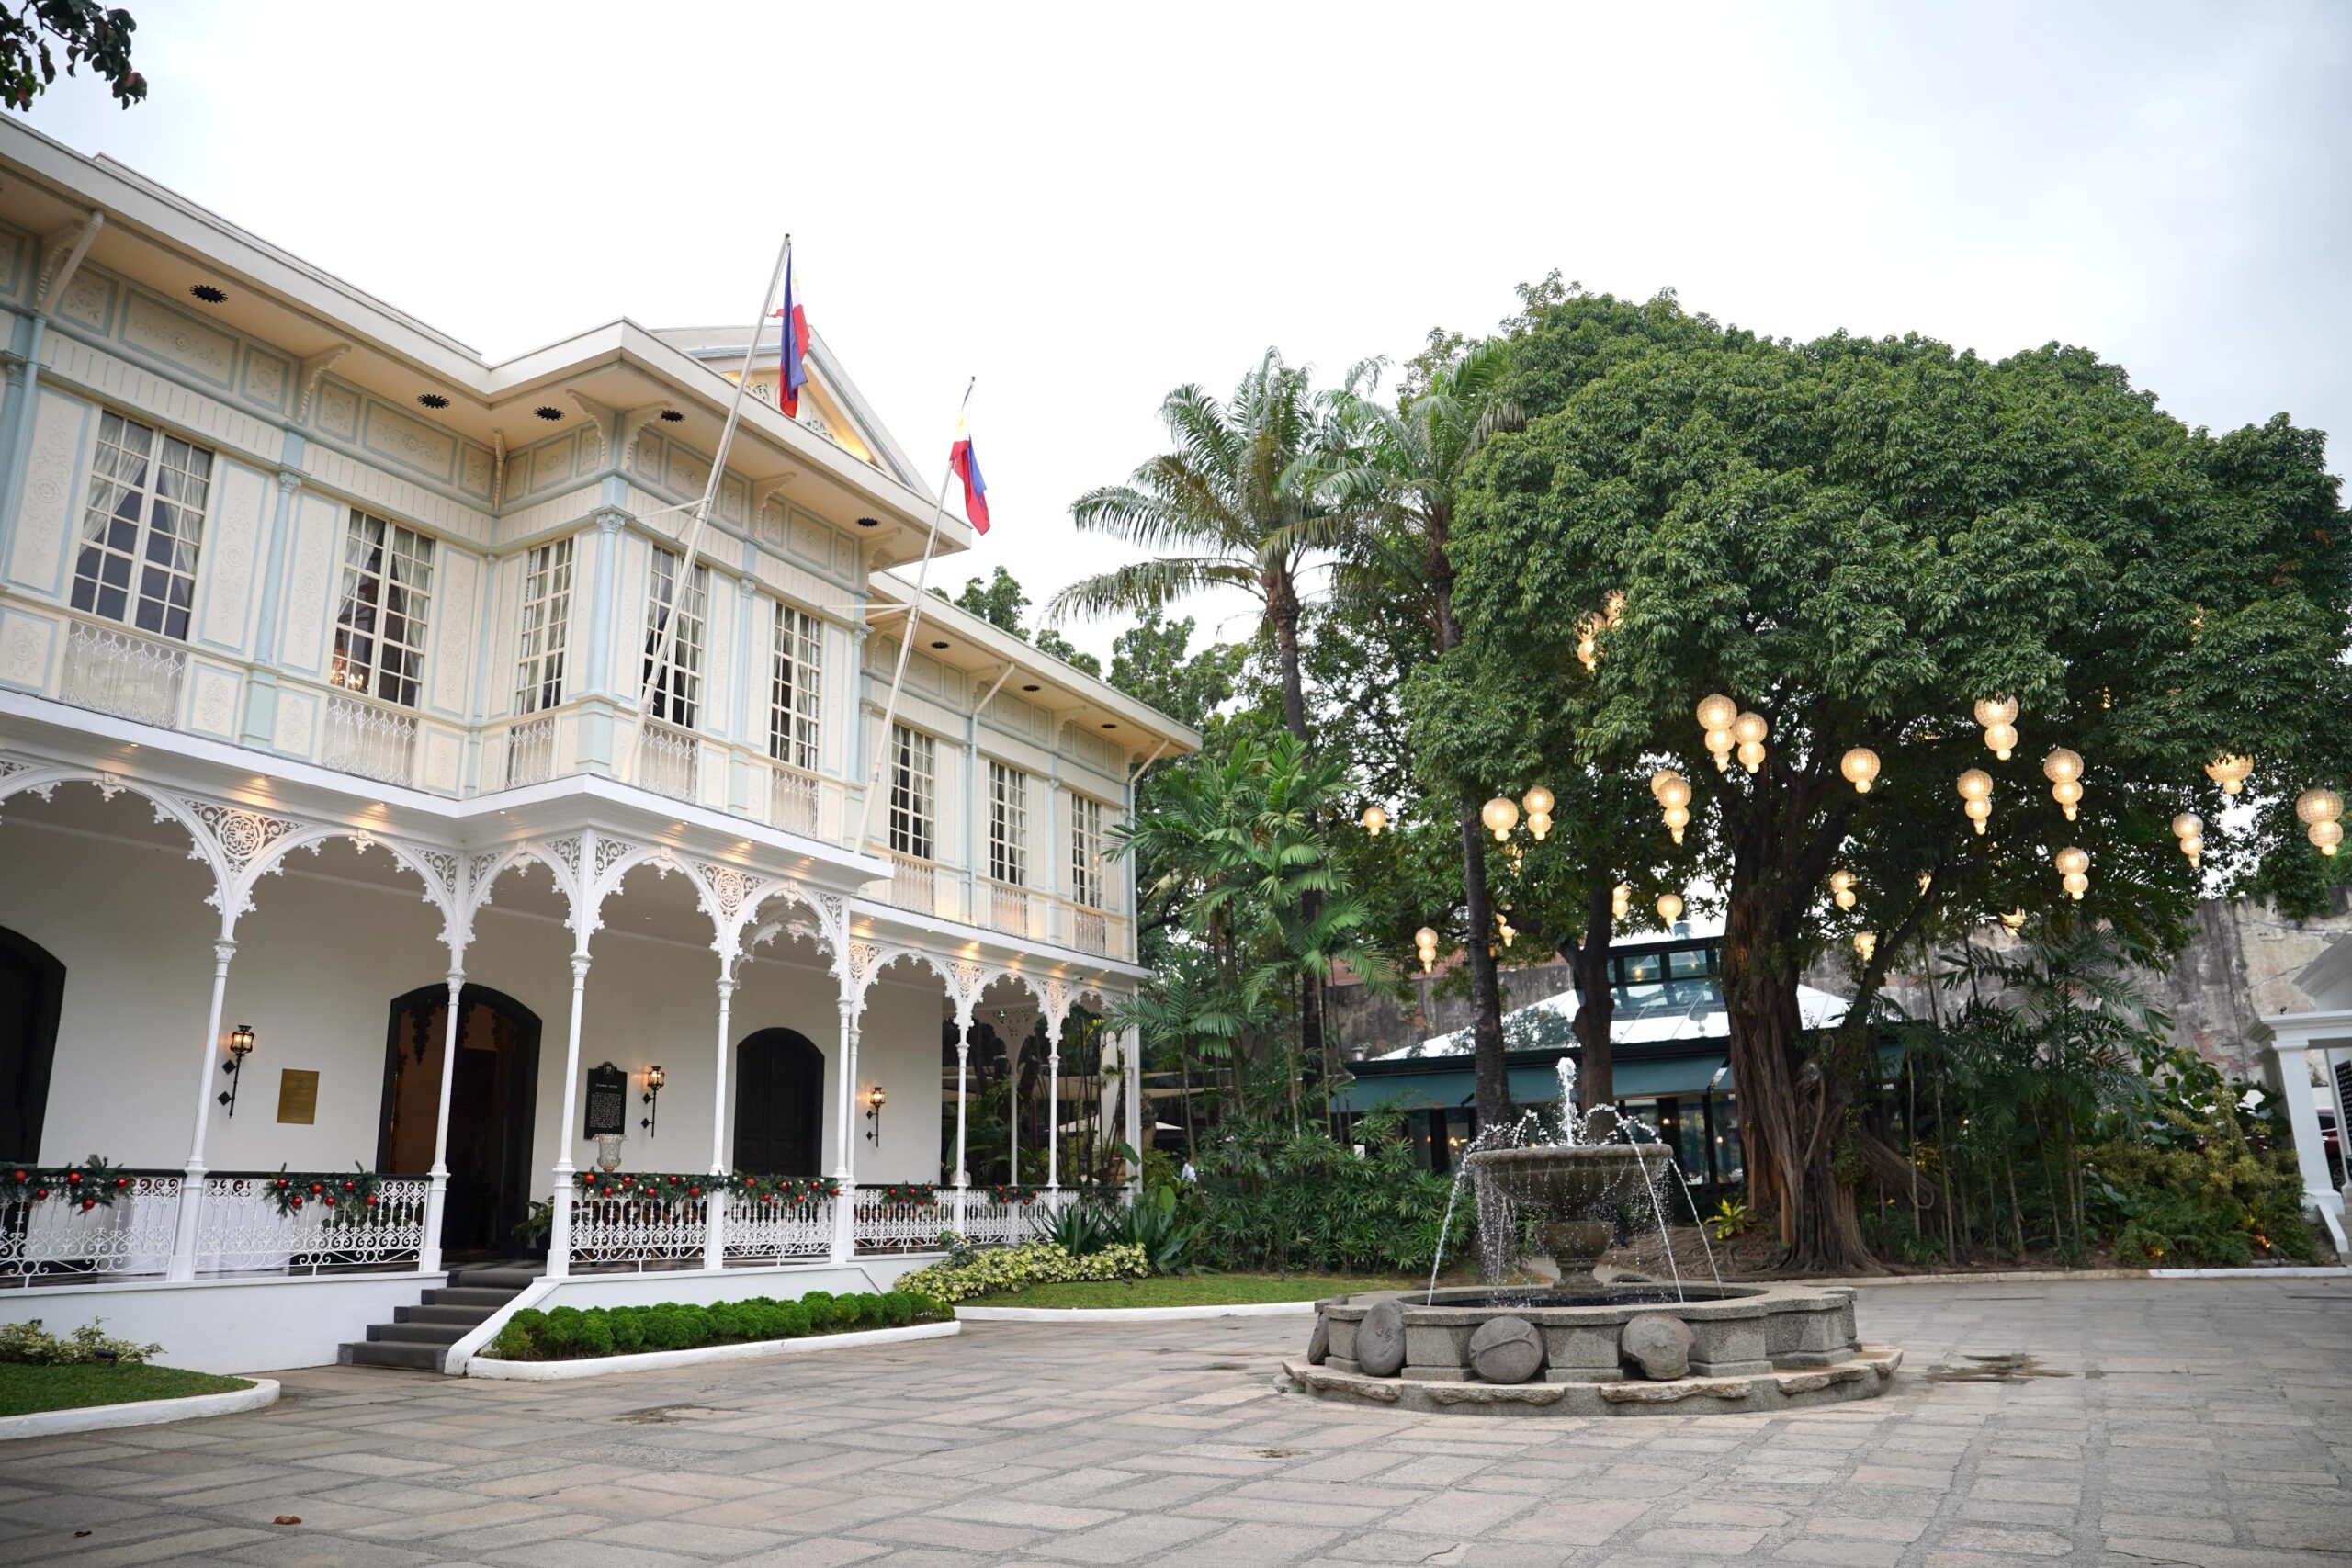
column 907, row 634
column 666, row 646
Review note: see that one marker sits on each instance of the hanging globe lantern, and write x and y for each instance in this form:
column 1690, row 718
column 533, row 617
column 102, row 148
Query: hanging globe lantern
column 1677, row 817
column 1539, row 802
column 1588, row 644
column 1751, row 755
column 1991, row 711
column 1670, row 907
column 2230, row 769
column 1426, row 940
column 2189, row 828
column 1374, row 820
column 2327, row 836
column 2075, row 884
column 1504, row 928
column 1841, row 888
column 1866, row 945
column 2074, row 867
column 1860, row 766
column 1975, row 788
column 1720, row 745
column 1717, row 712
column 2320, row 811
column 2063, row 769
column 1500, row 815
column 1662, row 780
column 1620, row 899
column 2002, row 738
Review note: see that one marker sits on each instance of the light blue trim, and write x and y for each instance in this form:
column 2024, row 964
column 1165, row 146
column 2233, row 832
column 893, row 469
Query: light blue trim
column 20, row 429
column 600, row 612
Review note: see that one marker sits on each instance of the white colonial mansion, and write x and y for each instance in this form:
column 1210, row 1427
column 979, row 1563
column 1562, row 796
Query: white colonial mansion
column 347, row 829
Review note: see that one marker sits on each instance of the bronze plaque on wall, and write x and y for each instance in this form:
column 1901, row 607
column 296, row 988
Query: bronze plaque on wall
column 607, row 1099
column 298, row 1096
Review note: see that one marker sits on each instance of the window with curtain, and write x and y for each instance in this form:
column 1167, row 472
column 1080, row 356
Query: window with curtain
column 142, row 528
column 1008, row 825
column 546, row 627
column 1086, row 850
column 387, row 600
column 794, row 686
column 914, row 791
column 676, row 687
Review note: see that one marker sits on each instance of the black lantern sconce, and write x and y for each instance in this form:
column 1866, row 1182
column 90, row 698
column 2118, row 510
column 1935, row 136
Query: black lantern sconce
column 240, row 1046
column 874, row 1115
column 652, row 1099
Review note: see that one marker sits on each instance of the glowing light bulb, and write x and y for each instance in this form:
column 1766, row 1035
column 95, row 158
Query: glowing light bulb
column 1716, row 712
column 2230, row 769
column 1373, row 819
column 1670, row 907
column 1860, row 766
column 1500, row 816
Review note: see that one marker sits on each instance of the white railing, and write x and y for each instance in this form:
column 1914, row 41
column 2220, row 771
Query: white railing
column 530, row 751
column 777, row 1232
column 1090, row 929
column 914, row 884
column 123, row 673
column 240, row 1230
column 669, row 762
column 374, row 742
column 881, row 1224
column 54, row 1240
column 630, row 1230
column 793, row 798
column 1009, row 908
column 990, row 1221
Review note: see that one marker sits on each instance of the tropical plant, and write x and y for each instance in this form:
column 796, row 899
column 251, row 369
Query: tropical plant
column 998, row 1269
column 1730, row 1219
column 1153, row 1224
column 1273, row 1198
column 1081, row 1228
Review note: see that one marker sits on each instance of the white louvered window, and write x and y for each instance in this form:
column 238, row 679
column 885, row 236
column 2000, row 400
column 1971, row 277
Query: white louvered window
column 546, row 627
column 794, row 686
column 142, row 528
column 1008, row 825
column 1086, row 850
column 914, row 791
column 387, row 600
column 677, row 687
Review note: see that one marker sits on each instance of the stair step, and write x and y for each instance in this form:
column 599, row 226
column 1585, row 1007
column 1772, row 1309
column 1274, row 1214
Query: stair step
column 506, row 1278
column 463, row 1316
column 415, row 1333
column 381, row 1353
column 468, row 1295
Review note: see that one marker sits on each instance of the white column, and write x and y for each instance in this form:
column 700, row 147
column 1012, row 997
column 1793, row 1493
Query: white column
column 1131, row 1087
column 559, row 1233
column 845, row 1155
column 2293, row 1050
column 1053, row 1107
column 1013, row 1105
column 713, row 1248
column 182, row 1263
column 436, row 1190
column 962, row 1066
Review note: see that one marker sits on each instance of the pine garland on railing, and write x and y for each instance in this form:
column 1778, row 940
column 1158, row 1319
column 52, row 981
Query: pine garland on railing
column 1013, row 1193
column 915, row 1194
column 346, row 1196
column 659, row 1187
column 94, row 1183
column 782, row 1188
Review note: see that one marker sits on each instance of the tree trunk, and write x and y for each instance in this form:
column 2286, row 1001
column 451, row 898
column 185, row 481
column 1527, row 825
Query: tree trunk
column 1492, row 1073
column 1282, row 609
column 1596, row 1000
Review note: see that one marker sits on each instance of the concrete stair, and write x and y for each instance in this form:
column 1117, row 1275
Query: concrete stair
column 419, row 1335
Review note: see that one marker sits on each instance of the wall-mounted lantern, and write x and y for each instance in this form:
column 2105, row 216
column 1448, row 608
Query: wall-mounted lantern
column 240, row 1046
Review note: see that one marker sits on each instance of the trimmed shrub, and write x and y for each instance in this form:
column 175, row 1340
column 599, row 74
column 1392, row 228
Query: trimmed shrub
column 1011, row 1267
column 819, row 1305
column 576, row 1333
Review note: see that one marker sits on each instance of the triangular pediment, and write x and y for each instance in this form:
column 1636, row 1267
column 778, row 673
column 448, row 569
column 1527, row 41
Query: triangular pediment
column 829, row 403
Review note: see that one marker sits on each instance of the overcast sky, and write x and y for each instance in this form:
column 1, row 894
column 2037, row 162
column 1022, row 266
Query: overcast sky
column 1086, row 207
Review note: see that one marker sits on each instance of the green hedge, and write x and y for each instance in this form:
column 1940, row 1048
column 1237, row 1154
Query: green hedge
column 570, row 1334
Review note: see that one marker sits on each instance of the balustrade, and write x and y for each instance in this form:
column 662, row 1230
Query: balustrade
column 241, row 1228
column 775, row 1231
column 55, row 1240
column 530, row 751
column 1011, row 909
column 793, row 798
column 375, row 742
column 123, row 673
column 670, row 761
column 914, row 885
column 634, row 1230
column 900, row 1218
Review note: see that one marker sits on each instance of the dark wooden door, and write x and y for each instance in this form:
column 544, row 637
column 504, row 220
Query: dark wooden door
column 779, row 1104
column 492, row 1099
column 32, row 985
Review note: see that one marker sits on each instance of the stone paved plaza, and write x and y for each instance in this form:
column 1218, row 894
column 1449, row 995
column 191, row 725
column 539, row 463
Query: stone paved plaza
column 2205, row 1423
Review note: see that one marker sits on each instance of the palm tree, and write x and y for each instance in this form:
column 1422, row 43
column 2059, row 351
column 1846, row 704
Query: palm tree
column 1395, row 503
column 1241, row 502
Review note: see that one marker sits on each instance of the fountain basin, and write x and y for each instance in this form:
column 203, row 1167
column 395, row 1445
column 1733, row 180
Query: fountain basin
column 1750, row 1348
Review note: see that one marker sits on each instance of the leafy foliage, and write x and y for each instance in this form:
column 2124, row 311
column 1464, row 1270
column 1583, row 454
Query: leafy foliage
column 1272, row 1198
column 29, row 1344
column 34, row 32
column 571, row 1332
column 1033, row 1263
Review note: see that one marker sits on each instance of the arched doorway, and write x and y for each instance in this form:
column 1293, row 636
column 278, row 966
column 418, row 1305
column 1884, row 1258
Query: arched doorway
column 32, row 986
column 779, row 1104
column 492, row 1101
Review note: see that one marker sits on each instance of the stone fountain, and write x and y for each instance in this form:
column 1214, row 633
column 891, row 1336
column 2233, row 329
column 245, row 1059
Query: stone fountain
column 1547, row 1333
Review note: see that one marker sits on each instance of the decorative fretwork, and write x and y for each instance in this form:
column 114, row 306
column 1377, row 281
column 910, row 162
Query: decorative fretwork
column 530, row 751
column 731, row 889
column 965, row 979
column 566, row 851
column 374, row 742
column 239, row 1229
column 880, row 1222
column 860, row 960
column 1056, row 999
column 243, row 837
column 779, row 1231
column 609, row 853
column 793, row 798
column 123, row 673
column 56, row 1239
column 990, row 1221
column 670, row 761
column 629, row 1230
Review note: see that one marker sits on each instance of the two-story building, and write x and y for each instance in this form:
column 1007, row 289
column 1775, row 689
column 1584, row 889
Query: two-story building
column 363, row 810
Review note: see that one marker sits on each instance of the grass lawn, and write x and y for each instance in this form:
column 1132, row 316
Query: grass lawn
column 24, row 1390
column 1193, row 1290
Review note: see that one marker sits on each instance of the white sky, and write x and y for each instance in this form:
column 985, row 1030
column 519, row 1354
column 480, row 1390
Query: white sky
column 1089, row 206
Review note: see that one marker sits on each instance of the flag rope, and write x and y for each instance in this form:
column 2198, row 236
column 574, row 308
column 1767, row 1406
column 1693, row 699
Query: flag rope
column 907, row 636
column 665, row 646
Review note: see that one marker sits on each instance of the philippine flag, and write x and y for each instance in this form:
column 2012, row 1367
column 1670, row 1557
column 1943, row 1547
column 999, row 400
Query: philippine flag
column 967, row 464
column 792, row 374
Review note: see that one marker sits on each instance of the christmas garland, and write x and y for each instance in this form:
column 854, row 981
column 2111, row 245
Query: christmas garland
column 95, row 1184
column 782, row 1188
column 1013, row 1193
column 346, row 1196
column 652, row 1186
column 914, row 1194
